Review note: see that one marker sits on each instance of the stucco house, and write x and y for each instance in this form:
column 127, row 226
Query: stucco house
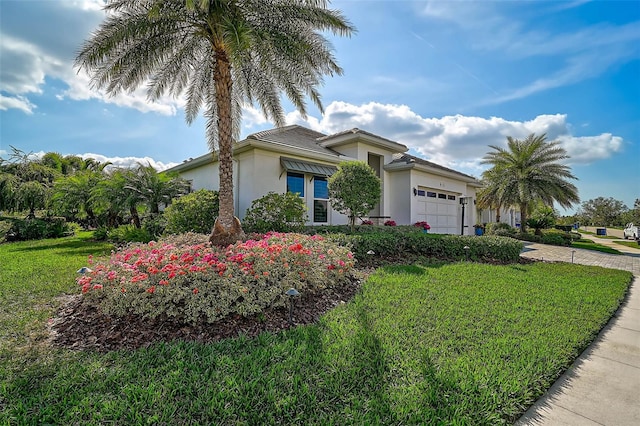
column 298, row 159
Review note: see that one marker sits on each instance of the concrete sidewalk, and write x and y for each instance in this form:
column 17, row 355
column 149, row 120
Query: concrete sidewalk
column 602, row 387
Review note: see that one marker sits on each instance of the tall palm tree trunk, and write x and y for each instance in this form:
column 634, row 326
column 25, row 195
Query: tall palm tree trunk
column 135, row 217
column 523, row 217
column 227, row 228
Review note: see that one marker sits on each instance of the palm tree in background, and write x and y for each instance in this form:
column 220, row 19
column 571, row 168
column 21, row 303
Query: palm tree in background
column 529, row 171
column 145, row 184
column 222, row 54
column 487, row 196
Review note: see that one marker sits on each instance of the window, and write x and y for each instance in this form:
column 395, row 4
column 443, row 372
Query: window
column 320, row 211
column 295, row 183
column 443, row 196
column 320, row 188
column 431, row 194
column 421, row 192
column 320, row 200
column 451, row 197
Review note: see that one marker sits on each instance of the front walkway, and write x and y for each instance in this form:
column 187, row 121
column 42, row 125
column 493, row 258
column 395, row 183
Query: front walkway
column 602, row 387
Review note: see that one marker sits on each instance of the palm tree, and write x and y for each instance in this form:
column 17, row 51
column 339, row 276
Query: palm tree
column 529, row 171
column 153, row 188
column 73, row 195
column 223, row 54
column 487, row 196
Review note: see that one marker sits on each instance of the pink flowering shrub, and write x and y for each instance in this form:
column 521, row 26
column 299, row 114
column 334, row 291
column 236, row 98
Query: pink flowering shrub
column 190, row 282
column 390, row 223
column 367, row 222
column 423, row 225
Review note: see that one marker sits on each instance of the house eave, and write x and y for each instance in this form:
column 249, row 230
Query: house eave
column 249, row 144
column 394, row 167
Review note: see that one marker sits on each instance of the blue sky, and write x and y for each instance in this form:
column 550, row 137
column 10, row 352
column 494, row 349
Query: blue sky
column 446, row 78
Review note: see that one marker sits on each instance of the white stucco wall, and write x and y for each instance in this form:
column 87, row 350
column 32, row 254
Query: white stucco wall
column 203, row 177
column 400, row 203
column 258, row 171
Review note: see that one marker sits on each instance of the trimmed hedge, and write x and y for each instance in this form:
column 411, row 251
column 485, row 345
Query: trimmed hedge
column 37, row 229
column 417, row 244
column 361, row 229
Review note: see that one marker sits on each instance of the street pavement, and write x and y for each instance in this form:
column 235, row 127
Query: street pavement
column 602, row 387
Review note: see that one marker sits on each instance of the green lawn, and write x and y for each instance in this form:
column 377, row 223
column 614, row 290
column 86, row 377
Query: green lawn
column 593, row 234
column 632, row 244
column 590, row 245
column 441, row 343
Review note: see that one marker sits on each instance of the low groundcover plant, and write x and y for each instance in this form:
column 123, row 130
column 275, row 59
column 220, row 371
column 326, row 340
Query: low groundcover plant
column 193, row 282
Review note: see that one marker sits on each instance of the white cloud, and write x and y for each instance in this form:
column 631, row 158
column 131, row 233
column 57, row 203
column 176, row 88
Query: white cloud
column 126, row 162
column 121, row 162
column 16, row 102
column 252, row 117
column 29, row 57
column 457, row 141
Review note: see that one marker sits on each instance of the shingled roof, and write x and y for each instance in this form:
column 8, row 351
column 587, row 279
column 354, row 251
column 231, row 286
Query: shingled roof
column 296, row 136
column 409, row 159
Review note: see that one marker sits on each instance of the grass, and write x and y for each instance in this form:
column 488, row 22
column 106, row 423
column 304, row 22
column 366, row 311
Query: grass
column 590, row 245
column 593, row 234
column 32, row 275
column 440, row 343
column 632, row 244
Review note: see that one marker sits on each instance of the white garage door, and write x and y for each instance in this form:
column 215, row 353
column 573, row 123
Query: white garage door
column 440, row 210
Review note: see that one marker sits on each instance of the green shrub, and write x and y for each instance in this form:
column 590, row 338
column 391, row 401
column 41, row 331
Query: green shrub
column 371, row 247
column 554, row 239
column 527, row 236
column 5, row 227
column 101, row 233
column 194, row 212
column 154, row 225
column 558, row 237
column 504, row 233
column 371, row 229
column 201, row 282
column 129, row 234
column 37, row 229
column 500, row 228
column 276, row 212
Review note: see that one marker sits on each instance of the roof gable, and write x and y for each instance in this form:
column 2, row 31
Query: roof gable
column 295, row 136
column 356, row 134
column 411, row 160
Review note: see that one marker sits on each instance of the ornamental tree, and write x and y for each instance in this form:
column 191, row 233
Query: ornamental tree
column 354, row 190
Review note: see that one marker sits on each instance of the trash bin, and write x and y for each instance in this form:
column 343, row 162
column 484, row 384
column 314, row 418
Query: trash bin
column 601, row 231
column 479, row 231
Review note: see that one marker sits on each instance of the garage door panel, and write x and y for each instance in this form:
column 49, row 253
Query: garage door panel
column 441, row 214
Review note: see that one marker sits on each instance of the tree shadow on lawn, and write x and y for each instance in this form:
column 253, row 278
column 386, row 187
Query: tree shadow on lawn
column 73, row 247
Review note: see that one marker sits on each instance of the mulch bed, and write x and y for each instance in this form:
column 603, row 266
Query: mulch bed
column 80, row 325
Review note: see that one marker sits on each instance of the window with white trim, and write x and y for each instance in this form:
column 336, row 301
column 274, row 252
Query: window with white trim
column 320, row 200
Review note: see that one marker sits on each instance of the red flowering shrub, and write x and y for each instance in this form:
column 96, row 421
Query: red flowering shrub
column 190, row 282
column 423, row 225
column 367, row 222
column 390, row 223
